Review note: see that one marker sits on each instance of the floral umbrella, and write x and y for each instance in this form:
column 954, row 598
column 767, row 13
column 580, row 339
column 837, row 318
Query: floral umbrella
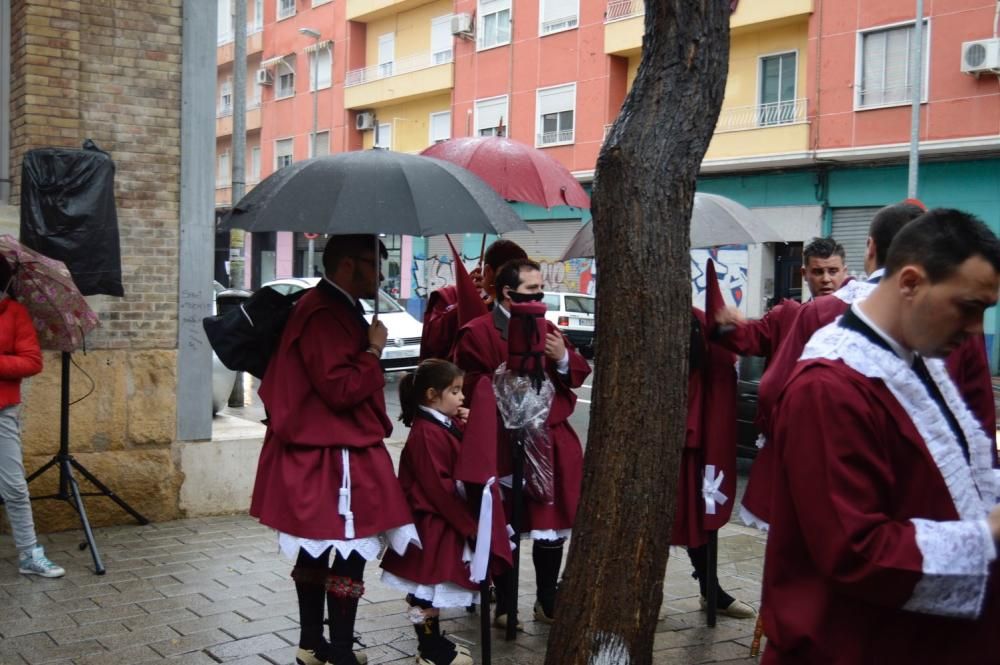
column 46, row 288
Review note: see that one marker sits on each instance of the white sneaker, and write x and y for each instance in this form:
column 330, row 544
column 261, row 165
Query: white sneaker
column 36, row 563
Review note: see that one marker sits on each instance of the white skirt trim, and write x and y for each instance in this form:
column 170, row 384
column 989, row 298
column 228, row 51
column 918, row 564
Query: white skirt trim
column 445, row 594
column 369, row 548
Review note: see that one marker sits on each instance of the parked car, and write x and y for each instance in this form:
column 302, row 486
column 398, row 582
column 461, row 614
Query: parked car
column 573, row 314
column 750, row 370
column 223, row 378
column 402, row 349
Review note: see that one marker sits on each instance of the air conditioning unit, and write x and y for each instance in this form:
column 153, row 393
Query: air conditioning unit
column 264, row 76
column 981, row 56
column 461, row 25
column 365, row 121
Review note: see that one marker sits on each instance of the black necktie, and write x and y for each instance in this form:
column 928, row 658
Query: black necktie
column 920, row 369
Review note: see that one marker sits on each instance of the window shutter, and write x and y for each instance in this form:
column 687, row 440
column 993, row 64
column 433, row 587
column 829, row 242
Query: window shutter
column 558, row 99
column 489, row 113
column 553, row 10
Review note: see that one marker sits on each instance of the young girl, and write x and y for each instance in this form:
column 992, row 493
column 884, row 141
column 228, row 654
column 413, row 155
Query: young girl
column 438, row 575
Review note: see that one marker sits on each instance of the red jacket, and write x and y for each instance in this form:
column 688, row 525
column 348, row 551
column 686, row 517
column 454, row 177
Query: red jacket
column 20, row 356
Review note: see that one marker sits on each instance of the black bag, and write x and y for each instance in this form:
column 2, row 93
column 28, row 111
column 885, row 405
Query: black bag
column 247, row 336
column 68, row 213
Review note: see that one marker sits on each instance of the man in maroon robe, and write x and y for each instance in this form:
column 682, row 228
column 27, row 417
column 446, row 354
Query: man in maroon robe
column 442, row 316
column 884, row 523
column 480, row 349
column 967, row 365
column 325, row 480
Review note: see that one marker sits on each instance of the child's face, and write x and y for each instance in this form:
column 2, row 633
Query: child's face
column 448, row 401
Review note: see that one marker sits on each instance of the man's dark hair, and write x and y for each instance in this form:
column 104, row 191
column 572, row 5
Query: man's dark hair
column 941, row 240
column 510, row 274
column 349, row 246
column 502, row 251
column 887, row 222
column 822, row 248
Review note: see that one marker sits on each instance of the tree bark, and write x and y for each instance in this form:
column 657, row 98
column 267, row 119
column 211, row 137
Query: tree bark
column 609, row 601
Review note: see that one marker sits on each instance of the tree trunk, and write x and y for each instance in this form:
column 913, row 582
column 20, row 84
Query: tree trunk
column 609, row 601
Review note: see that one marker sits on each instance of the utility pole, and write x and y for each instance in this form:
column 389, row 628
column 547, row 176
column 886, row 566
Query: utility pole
column 237, row 245
column 237, row 279
column 917, row 69
column 309, row 32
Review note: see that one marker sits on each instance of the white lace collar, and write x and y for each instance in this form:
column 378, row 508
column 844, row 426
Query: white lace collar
column 972, row 485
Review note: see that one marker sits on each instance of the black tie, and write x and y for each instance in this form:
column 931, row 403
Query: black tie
column 920, row 369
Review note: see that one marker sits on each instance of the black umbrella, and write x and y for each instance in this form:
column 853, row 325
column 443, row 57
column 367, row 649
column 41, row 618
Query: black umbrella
column 373, row 191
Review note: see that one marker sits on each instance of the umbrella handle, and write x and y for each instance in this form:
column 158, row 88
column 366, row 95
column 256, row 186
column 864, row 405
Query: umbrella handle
column 378, row 275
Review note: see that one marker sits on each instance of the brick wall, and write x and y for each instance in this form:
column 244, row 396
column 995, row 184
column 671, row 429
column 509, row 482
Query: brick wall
column 109, row 70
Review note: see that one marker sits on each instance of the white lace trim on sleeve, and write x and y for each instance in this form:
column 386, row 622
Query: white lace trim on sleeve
column 956, row 559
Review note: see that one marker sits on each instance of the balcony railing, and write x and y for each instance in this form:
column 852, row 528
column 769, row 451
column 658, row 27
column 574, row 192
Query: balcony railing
column 556, row 24
column 406, row 65
column 619, row 10
column 741, row 118
column 555, row 138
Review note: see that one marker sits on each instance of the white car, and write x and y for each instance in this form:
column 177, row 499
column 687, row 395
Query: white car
column 573, row 314
column 402, row 349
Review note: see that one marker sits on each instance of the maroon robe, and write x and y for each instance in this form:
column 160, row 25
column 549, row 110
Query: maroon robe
column 967, row 365
column 323, row 393
column 479, row 350
column 760, row 337
column 443, row 519
column 440, row 323
column 710, row 440
column 875, row 554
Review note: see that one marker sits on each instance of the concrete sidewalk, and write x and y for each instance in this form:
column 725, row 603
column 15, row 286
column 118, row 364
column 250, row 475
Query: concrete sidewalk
column 215, row 590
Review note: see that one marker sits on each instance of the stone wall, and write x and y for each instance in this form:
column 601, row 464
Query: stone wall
column 110, row 70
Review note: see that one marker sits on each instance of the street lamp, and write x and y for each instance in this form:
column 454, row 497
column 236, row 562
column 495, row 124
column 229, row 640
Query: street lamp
column 309, row 32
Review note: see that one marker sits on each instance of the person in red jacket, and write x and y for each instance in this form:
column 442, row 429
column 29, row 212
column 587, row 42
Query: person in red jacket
column 20, row 357
column 325, row 480
column 438, row 574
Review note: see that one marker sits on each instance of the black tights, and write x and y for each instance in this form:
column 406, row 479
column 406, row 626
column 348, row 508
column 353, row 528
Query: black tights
column 311, row 575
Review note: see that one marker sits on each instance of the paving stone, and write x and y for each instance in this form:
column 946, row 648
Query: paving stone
column 225, row 621
column 133, row 654
column 90, row 631
column 246, row 647
column 17, row 627
column 252, row 628
column 160, row 618
column 142, row 636
column 194, row 642
column 244, row 606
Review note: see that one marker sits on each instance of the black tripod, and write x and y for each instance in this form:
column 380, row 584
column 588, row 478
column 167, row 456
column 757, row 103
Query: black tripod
column 69, row 489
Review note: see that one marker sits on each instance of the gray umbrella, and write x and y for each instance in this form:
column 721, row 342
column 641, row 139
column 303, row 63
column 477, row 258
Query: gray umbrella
column 715, row 220
column 373, row 191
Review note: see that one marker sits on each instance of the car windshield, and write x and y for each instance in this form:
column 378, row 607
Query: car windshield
column 580, row 304
column 386, row 305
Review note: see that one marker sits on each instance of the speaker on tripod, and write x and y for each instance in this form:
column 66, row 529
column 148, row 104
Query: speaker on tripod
column 68, row 214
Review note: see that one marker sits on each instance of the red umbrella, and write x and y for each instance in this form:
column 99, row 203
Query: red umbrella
column 516, row 171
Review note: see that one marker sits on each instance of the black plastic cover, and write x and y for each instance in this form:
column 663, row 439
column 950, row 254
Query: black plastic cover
column 68, row 213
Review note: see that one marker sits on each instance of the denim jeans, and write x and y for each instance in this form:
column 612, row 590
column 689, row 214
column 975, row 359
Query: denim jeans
column 13, row 487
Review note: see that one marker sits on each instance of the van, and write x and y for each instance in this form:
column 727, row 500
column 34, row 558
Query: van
column 573, row 314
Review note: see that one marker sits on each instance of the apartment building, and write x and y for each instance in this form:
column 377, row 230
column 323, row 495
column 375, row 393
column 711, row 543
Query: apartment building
column 813, row 131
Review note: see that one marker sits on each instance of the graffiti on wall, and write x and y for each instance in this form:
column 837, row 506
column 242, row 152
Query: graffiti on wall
column 573, row 276
column 730, row 269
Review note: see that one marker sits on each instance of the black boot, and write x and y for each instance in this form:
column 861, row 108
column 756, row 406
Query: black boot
column 344, row 593
column 504, row 594
column 699, row 560
column 310, row 587
column 547, row 557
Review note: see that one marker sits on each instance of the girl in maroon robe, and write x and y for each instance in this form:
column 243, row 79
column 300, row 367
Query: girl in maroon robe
column 438, row 575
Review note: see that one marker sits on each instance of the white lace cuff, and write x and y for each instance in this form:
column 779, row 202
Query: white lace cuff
column 956, row 559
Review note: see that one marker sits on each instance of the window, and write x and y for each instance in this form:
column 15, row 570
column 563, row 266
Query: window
column 226, row 30
column 254, row 164
column 286, row 81
column 383, row 136
column 440, row 126
column 491, row 116
column 225, row 98
column 386, row 53
column 258, row 15
column 320, row 145
column 556, row 108
column 286, row 8
column 494, row 23
column 283, row 151
column 777, row 89
column 884, row 76
column 223, row 175
column 558, row 15
column 441, row 40
column 324, row 57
